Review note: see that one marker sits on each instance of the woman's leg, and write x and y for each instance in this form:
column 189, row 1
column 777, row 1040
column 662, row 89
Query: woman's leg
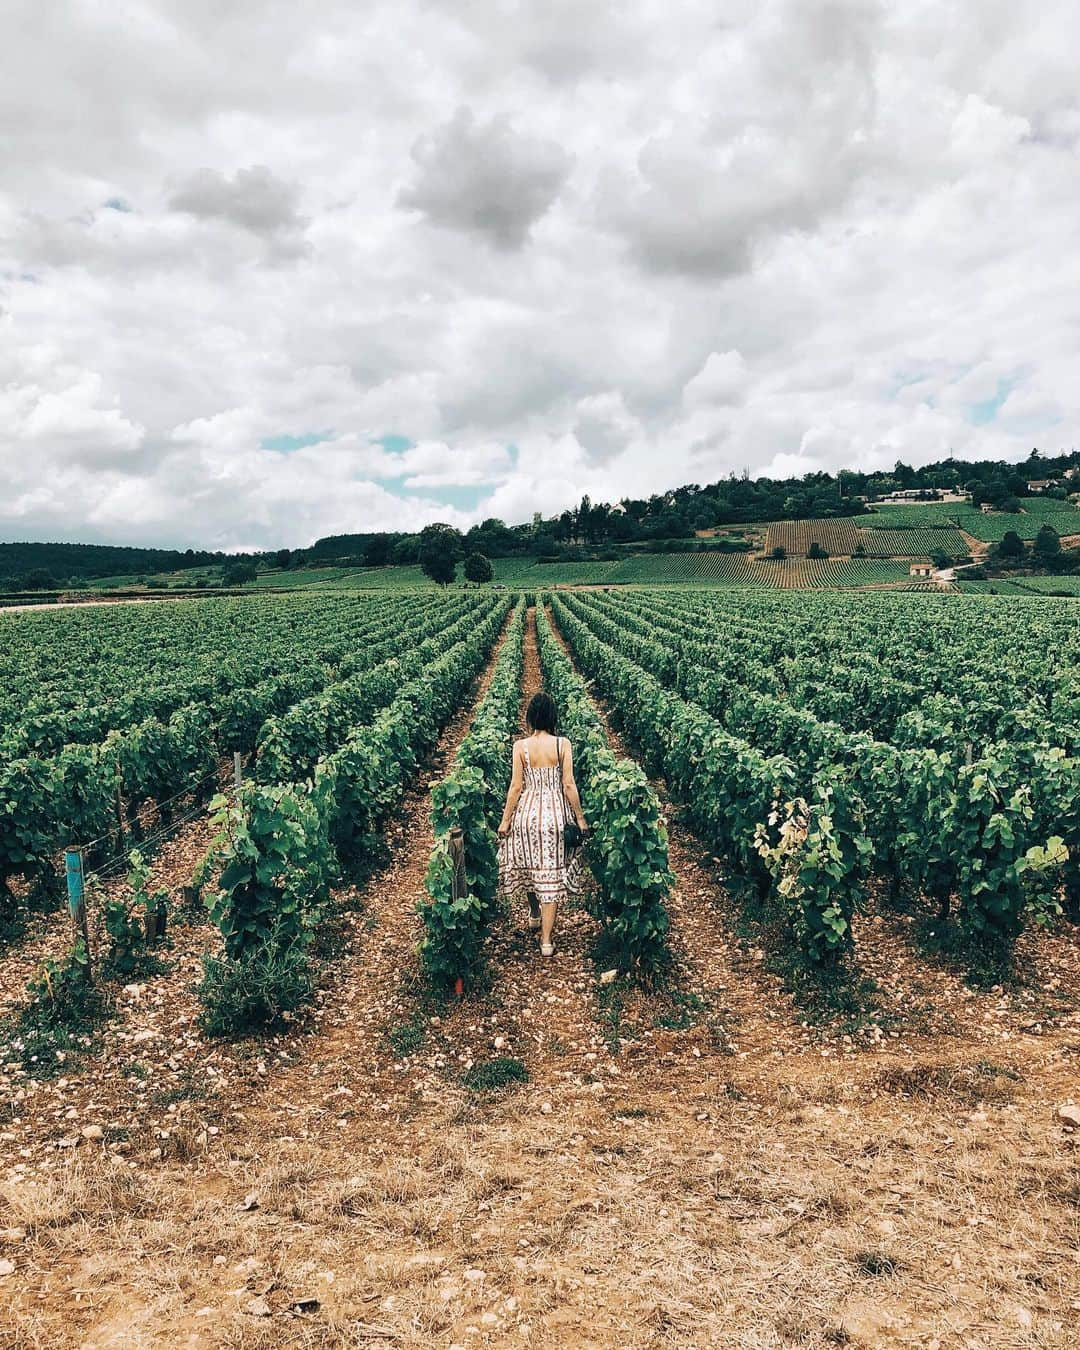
column 534, row 909
column 548, row 915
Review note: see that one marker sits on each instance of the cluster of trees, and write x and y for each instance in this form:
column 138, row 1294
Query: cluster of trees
column 440, row 550
column 50, row 567
column 1046, row 551
column 1044, row 555
column 658, row 520
column 988, row 480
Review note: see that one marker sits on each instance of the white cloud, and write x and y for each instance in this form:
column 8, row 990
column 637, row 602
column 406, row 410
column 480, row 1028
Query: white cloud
column 253, row 200
column 485, row 177
column 722, row 379
column 789, row 233
column 604, row 426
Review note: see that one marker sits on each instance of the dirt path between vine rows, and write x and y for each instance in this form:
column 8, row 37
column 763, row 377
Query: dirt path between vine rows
column 726, row 989
column 541, row 1010
column 732, row 1181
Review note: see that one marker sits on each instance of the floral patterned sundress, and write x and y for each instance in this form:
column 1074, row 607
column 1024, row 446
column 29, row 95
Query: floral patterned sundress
column 533, row 856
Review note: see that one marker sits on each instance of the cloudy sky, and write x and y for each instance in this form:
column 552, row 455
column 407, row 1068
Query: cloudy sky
column 270, row 271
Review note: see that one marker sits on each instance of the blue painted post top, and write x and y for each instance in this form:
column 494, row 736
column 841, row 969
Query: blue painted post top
column 73, row 867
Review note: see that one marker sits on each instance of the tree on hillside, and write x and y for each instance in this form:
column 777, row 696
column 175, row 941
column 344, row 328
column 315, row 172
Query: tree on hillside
column 38, row 579
column 1011, row 546
column 816, row 551
column 478, row 568
column 378, row 550
column 440, row 549
column 283, row 557
column 239, row 574
column 493, row 538
column 1047, row 543
column 406, row 552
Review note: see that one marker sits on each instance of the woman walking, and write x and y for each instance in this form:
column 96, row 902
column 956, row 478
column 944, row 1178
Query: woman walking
column 536, row 859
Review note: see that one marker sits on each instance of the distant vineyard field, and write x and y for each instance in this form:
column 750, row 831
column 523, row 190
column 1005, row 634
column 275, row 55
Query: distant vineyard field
column 913, row 543
column 814, row 573
column 991, row 528
column 843, row 537
column 304, row 576
column 727, row 569
column 523, row 572
column 796, row 536
column 990, row 588
column 528, row 572
column 987, row 526
column 920, row 515
column 657, row 569
column 1051, row 585
column 674, row 569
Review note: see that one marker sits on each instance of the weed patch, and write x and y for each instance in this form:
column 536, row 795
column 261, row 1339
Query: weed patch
column 65, row 1010
column 405, row 1038
column 255, row 993
column 496, row 1075
column 969, row 1084
column 876, row 1264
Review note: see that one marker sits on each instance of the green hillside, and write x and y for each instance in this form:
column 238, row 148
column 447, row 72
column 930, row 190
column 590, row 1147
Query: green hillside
column 987, row 526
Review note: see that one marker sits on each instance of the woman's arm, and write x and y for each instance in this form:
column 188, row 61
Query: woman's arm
column 570, row 786
column 512, row 793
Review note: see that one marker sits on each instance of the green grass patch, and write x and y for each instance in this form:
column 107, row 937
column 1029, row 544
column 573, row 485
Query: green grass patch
column 405, row 1038
column 256, row 994
column 187, row 1089
column 60, row 1020
column 495, row 1075
column 876, row 1264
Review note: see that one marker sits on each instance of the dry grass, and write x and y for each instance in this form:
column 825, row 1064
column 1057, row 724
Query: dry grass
column 761, row 1227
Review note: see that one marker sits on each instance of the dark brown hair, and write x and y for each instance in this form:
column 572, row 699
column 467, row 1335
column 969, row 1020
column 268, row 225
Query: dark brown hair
column 542, row 714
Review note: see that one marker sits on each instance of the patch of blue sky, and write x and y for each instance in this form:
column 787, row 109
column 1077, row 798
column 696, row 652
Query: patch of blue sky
column 461, row 496
column 117, row 204
column 985, row 411
column 394, row 442
column 903, row 381
column 908, row 380
column 285, row 445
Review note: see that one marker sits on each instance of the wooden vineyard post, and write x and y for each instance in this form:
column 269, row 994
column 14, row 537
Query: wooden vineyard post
column 156, row 922
column 120, row 806
column 459, row 885
column 76, row 893
column 238, row 770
